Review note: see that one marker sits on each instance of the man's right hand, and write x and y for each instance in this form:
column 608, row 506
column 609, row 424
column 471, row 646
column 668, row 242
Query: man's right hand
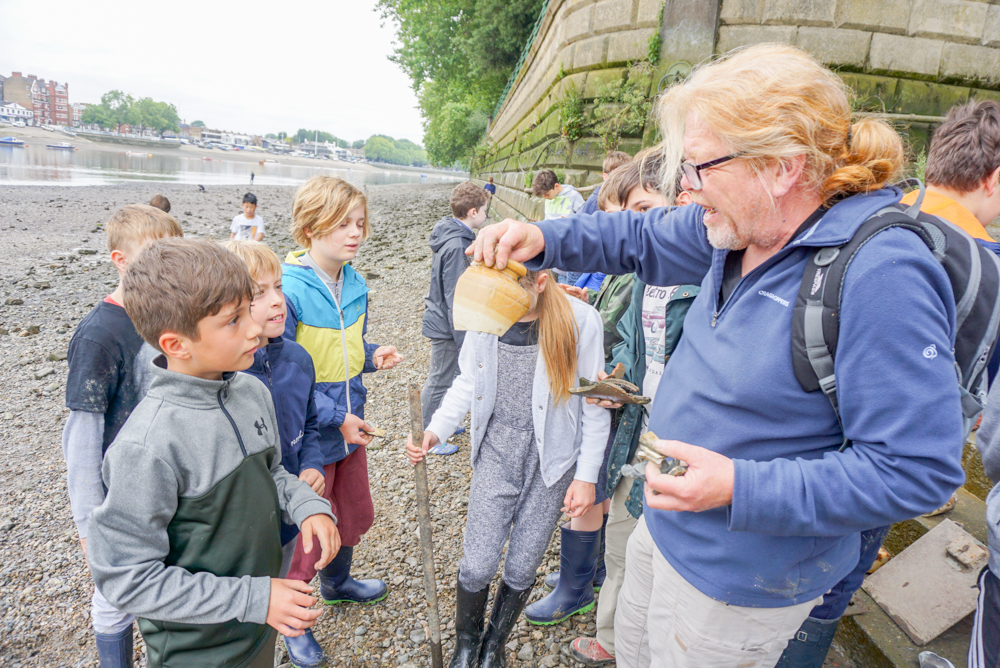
column 507, row 240
column 288, row 609
column 353, row 430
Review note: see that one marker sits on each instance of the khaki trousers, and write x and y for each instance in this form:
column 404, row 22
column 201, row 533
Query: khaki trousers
column 619, row 528
column 664, row 622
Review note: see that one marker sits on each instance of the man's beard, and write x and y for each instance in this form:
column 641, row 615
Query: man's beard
column 726, row 234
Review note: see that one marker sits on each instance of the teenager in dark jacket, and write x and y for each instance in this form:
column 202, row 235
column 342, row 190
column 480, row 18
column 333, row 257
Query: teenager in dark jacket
column 449, row 239
column 287, row 370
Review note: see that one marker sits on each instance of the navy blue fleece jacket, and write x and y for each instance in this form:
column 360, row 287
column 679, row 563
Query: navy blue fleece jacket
column 792, row 530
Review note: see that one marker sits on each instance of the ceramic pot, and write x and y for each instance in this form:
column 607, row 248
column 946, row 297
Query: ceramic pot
column 488, row 300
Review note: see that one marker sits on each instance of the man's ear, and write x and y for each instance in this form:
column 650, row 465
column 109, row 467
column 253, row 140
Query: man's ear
column 787, row 172
column 174, row 345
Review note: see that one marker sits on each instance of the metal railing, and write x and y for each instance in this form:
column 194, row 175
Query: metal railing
column 524, row 55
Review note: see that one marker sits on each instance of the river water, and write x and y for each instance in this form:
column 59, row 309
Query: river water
column 37, row 165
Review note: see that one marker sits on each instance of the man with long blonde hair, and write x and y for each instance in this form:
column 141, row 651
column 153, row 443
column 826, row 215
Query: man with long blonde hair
column 729, row 559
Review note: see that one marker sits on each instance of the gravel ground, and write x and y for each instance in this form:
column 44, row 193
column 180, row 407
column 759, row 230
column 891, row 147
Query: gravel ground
column 54, row 268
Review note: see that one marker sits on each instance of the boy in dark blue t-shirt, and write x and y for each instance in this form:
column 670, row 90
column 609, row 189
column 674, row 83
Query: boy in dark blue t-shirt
column 107, row 378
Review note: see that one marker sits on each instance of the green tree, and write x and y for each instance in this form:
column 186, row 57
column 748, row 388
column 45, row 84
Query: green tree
column 379, row 149
column 197, row 124
column 459, row 55
column 359, row 143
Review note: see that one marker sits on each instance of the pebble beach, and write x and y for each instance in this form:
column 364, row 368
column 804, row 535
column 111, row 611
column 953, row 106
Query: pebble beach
column 54, row 267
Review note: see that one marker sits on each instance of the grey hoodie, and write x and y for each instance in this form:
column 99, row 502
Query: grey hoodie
column 188, row 535
column 449, row 239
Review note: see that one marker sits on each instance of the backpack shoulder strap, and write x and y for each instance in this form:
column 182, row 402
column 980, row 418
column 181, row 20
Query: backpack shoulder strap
column 816, row 317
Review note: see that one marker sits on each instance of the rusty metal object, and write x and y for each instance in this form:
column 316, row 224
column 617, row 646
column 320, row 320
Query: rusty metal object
column 649, row 453
column 613, row 388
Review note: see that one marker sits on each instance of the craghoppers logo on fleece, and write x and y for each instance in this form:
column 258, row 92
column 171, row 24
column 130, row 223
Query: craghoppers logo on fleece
column 260, row 425
column 774, row 297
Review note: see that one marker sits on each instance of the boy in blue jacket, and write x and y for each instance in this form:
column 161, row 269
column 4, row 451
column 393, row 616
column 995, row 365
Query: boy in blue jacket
column 287, row 370
column 327, row 314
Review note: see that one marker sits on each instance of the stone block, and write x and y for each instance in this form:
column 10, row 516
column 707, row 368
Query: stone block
column 954, row 20
column 648, row 15
column 630, row 146
column 575, row 177
column 873, row 93
column 588, row 153
column 551, row 125
column 799, row 12
column 835, row 46
column 980, row 94
column 598, row 80
column 991, row 28
column 732, row 37
column 577, row 25
column 887, row 16
column 927, row 99
column 737, row 12
column 893, row 53
column 630, row 45
column 589, row 52
column 973, row 63
column 612, row 16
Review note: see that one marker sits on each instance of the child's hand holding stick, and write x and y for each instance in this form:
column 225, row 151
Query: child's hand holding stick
column 416, row 453
column 424, row 516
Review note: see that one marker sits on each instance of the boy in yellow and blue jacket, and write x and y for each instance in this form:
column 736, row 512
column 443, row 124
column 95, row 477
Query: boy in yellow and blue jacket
column 327, row 315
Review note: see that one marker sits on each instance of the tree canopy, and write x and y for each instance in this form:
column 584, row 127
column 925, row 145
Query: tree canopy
column 382, row 148
column 459, row 55
column 118, row 108
column 197, row 124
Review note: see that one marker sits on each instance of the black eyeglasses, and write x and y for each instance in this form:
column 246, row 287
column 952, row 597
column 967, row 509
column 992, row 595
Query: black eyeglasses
column 693, row 172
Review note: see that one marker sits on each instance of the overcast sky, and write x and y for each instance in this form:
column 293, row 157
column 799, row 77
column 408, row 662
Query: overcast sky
column 249, row 66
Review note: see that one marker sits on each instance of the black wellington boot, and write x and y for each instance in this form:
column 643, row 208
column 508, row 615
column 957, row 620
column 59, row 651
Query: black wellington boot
column 507, row 607
column 470, row 611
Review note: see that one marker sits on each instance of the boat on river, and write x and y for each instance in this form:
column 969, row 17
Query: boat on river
column 63, row 146
column 11, row 141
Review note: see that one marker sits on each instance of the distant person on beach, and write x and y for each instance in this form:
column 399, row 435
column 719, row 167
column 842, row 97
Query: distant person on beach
column 489, row 187
column 327, row 302
column 286, row 369
column 248, row 225
column 449, row 239
column 108, row 375
column 612, row 161
column 251, row 178
column 189, row 535
column 161, row 203
column 560, row 201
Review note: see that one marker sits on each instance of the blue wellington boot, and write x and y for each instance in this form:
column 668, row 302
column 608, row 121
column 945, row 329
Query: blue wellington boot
column 575, row 591
column 114, row 650
column 809, row 646
column 552, row 579
column 337, row 586
column 304, row 651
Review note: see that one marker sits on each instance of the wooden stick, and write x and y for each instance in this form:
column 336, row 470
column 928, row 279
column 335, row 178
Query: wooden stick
column 426, row 531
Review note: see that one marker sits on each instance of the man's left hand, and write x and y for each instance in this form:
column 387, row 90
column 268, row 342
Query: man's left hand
column 707, row 484
column 325, row 529
column 386, row 357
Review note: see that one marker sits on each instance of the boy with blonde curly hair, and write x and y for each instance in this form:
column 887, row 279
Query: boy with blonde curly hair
column 328, row 315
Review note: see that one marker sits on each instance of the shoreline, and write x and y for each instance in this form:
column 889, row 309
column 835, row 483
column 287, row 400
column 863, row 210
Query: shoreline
column 35, row 135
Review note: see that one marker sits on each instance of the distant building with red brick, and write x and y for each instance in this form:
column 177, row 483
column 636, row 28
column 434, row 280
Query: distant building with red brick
column 48, row 99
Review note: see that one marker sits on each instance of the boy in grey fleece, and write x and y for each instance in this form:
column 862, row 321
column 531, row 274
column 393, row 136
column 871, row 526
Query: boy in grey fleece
column 188, row 536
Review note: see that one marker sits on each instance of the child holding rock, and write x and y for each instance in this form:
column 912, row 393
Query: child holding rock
column 328, row 315
column 531, row 460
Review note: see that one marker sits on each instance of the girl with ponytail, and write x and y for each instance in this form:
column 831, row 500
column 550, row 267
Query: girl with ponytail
column 536, row 453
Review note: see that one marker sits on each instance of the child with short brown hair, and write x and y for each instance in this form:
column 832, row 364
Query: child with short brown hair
column 108, row 375
column 327, row 305
column 197, row 464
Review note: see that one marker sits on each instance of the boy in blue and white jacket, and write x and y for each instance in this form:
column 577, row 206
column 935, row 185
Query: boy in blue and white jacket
column 287, row 370
column 327, row 314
